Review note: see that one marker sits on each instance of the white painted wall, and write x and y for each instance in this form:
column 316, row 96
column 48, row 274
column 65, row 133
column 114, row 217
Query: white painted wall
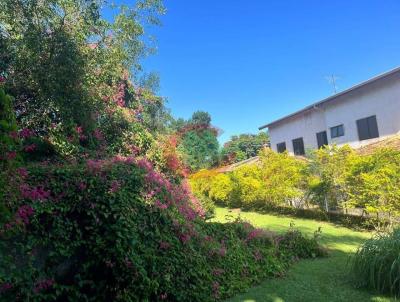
column 380, row 98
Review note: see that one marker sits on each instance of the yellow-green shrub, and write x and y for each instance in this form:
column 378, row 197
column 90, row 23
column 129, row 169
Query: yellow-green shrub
column 221, row 187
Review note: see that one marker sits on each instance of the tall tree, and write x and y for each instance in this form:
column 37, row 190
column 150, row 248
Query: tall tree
column 243, row 146
column 198, row 145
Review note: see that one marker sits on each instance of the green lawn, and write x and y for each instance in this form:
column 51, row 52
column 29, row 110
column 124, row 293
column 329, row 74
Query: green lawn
column 308, row 280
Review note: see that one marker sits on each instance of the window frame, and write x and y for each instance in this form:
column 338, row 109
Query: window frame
column 371, row 131
column 338, row 133
column 302, row 149
column 325, row 139
column 279, row 145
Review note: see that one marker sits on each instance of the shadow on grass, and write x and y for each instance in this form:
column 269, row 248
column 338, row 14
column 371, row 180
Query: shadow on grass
column 317, row 280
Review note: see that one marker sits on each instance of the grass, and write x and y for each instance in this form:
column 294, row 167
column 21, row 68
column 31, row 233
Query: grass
column 309, row 280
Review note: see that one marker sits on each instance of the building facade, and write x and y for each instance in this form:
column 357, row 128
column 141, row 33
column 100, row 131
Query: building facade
column 358, row 116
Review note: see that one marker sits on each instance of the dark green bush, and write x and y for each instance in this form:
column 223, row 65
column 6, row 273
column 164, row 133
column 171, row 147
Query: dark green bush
column 117, row 230
column 376, row 264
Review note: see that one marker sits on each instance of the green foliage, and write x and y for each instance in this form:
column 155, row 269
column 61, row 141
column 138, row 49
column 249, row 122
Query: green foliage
column 276, row 180
column 8, row 131
column 100, row 232
column 331, row 178
column 244, row 146
column 376, row 264
column 328, row 168
column 374, row 182
column 199, row 148
column 200, row 118
column 67, row 68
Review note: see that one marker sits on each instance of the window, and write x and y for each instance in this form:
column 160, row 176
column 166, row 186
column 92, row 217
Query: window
column 281, row 147
column 298, row 146
column 337, row 131
column 367, row 128
column 322, row 139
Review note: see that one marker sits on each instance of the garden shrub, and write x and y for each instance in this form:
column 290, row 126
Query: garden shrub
column 376, row 265
column 118, row 230
column 331, row 180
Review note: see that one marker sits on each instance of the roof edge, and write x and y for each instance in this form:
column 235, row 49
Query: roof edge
column 325, row 100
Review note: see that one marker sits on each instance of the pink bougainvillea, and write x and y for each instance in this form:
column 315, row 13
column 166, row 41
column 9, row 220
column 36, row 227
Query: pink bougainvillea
column 30, row 148
column 11, row 155
column 164, row 245
column 22, row 172
column 43, row 285
column 33, row 193
column 26, row 133
column 115, row 186
column 24, row 213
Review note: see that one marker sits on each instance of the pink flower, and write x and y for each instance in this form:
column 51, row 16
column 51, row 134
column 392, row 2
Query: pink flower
column 14, row 135
column 164, row 296
column 164, row 245
column 26, row 133
column 94, row 165
column 144, row 163
column 79, row 130
column 160, row 205
column 82, row 186
column 115, row 186
column 184, row 238
column 30, row 148
column 36, row 193
column 11, row 155
column 24, row 212
column 256, row 233
column 5, row 287
column 2, row 79
column 22, row 172
column 43, row 285
column 98, row 134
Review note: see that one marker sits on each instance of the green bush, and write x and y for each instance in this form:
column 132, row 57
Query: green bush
column 117, row 230
column 376, row 264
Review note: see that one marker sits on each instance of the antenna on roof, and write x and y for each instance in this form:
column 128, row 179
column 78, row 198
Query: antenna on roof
column 332, row 80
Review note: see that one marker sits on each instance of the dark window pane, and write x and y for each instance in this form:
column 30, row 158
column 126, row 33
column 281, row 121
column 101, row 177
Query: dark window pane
column 281, row 147
column 373, row 127
column 322, row 139
column 337, row 131
column 298, row 146
column 367, row 128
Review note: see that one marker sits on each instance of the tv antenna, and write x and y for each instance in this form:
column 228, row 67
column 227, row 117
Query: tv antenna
column 332, row 80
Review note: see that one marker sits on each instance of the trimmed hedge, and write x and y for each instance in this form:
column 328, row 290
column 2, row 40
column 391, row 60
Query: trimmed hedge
column 118, row 230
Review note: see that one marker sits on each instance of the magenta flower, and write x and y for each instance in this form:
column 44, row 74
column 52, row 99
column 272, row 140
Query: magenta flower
column 82, row 186
column 160, row 205
column 11, row 155
column 164, row 245
column 24, row 213
column 36, row 193
column 22, row 172
column 115, row 186
column 164, row 296
column 98, row 135
column 43, row 285
column 26, row 133
column 30, row 148
column 5, row 287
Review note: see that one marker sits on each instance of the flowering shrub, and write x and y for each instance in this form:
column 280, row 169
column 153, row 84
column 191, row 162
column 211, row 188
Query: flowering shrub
column 119, row 230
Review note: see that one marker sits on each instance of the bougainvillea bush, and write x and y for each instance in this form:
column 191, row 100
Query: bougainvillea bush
column 118, row 230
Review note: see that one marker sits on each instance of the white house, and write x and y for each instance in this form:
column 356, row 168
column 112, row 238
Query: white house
column 360, row 115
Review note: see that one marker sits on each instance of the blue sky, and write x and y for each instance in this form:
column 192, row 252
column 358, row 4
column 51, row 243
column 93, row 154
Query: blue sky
column 251, row 62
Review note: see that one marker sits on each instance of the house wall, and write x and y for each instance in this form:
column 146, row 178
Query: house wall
column 380, row 98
